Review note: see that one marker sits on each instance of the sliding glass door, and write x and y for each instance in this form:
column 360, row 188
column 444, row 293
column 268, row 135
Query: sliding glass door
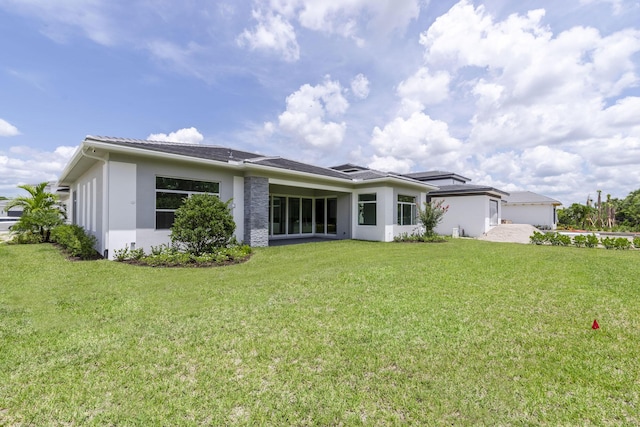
column 292, row 216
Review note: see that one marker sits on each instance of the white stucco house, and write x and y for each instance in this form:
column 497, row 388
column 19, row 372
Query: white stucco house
column 473, row 209
column 125, row 192
column 526, row 207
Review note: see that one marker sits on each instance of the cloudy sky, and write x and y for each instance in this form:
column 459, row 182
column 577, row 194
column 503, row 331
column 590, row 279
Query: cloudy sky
column 537, row 95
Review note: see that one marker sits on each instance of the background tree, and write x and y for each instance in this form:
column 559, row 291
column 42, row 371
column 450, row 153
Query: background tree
column 576, row 216
column 431, row 215
column 202, row 224
column 41, row 211
column 628, row 211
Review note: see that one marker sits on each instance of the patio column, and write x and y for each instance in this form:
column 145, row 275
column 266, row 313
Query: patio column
column 256, row 211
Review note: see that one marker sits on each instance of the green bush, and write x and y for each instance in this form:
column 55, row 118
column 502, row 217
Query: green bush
column 622, row 243
column 580, row 241
column 419, row 238
column 636, row 242
column 538, row 238
column 557, row 239
column 202, row 224
column 26, row 238
column 592, row 241
column 169, row 256
column 608, row 242
column 75, row 240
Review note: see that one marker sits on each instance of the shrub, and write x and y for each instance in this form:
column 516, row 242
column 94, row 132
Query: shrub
column 168, row 256
column 75, row 241
column 580, row 241
column 636, row 242
column 592, row 241
column 622, row 243
column 608, row 242
column 202, row 224
column 25, row 238
column 431, row 215
column 538, row 238
column 419, row 238
column 557, row 239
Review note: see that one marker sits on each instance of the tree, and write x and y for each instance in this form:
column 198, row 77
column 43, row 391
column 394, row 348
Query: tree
column 41, row 211
column 202, row 224
column 431, row 215
column 576, row 215
column 628, row 210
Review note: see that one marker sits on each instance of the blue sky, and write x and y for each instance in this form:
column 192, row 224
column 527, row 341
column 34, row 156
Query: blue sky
column 520, row 95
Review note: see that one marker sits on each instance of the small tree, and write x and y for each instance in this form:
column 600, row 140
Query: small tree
column 431, row 215
column 202, row 224
column 41, row 211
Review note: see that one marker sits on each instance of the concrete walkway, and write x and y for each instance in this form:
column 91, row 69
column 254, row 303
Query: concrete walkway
column 513, row 233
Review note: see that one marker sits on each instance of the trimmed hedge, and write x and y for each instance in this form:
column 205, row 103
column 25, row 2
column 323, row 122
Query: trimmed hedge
column 75, row 241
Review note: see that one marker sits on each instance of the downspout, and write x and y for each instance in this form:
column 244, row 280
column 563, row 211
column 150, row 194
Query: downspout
column 105, row 198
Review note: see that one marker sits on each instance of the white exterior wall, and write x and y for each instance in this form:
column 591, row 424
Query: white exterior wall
column 121, row 207
column 533, row 214
column 383, row 230
column 470, row 214
column 88, row 211
column 145, row 183
column 238, row 207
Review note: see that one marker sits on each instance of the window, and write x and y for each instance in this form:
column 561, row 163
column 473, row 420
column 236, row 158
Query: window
column 326, row 215
column 170, row 192
column 493, row 212
column 367, row 209
column 406, row 210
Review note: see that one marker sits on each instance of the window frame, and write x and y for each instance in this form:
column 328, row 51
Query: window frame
column 184, row 193
column 365, row 203
column 413, row 210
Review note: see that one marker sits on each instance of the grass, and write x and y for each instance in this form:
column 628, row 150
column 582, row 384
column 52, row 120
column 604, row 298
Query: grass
column 336, row 333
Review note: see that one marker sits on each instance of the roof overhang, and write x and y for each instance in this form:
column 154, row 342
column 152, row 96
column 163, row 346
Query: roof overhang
column 92, row 150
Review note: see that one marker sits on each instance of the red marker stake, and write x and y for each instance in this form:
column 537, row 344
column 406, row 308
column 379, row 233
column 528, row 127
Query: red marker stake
column 595, row 324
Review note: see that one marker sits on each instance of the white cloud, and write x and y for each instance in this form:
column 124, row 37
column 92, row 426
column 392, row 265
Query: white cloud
column 276, row 18
column 25, row 165
column 360, row 86
column 273, row 32
column 307, row 111
column 185, row 135
column 423, row 88
column 7, row 129
column 417, row 140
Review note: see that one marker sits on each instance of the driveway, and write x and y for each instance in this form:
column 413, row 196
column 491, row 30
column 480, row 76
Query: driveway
column 513, row 233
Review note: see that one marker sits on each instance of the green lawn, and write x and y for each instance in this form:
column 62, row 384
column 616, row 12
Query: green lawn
column 336, row 333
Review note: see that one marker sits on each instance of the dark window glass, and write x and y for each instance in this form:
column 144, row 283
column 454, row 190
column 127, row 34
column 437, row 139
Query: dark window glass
column 169, row 200
column 367, row 209
column 164, row 220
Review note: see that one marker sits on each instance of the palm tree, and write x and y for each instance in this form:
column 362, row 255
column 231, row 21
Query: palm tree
column 41, row 211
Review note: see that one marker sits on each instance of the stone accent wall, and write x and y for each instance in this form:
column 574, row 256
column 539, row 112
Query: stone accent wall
column 256, row 211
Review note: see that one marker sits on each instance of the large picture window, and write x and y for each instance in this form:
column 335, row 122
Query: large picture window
column 170, row 192
column 406, row 210
column 367, row 207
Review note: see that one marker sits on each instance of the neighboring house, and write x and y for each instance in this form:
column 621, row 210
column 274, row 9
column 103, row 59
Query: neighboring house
column 525, row 207
column 8, row 217
column 125, row 192
column 473, row 209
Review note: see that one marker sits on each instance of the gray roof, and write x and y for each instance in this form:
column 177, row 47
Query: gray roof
column 529, row 197
column 224, row 154
column 464, row 189
column 433, row 175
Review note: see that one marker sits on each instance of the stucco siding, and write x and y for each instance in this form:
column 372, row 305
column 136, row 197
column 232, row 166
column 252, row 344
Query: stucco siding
column 469, row 214
column 86, row 201
column 537, row 215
